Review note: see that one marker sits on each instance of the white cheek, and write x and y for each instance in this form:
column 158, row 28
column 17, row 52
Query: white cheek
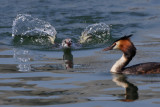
column 117, row 45
column 64, row 45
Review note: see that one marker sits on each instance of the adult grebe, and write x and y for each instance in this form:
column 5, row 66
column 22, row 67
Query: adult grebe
column 127, row 47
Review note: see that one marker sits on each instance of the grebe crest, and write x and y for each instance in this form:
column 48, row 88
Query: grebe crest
column 127, row 47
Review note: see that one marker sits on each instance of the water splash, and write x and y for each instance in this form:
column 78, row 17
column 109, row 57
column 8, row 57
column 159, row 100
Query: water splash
column 37, row 34
column 23, row 57
column 27, row 27
column 96, row 33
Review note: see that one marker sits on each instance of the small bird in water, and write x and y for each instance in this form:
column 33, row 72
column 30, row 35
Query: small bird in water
column 129, row 51
column 67, row 56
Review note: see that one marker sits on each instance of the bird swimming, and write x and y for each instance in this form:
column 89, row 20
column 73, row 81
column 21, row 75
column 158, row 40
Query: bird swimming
column 129, row 51
column 66, row 43
column 67, row 56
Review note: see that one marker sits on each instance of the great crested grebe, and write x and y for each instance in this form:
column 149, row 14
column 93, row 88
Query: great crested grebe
column 67, row 56
column 127, row 47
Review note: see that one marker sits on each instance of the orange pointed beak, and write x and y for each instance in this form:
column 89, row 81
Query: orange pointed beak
column 109, row 48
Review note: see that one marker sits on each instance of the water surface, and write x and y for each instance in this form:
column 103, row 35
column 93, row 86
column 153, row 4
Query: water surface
column 42, row 77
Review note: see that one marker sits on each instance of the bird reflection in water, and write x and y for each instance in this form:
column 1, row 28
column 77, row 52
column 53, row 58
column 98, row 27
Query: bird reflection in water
column 68, row 58
column 131, row 91
column 23, row 58
column 67, row 53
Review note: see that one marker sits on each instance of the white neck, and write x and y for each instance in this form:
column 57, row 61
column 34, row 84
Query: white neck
column 121, row 63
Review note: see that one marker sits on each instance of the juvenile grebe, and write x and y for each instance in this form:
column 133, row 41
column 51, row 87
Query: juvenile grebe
column 67, row 56
column 127, row 47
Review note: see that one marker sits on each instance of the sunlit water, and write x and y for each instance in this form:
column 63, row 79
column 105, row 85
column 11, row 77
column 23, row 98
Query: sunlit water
column 35, row 75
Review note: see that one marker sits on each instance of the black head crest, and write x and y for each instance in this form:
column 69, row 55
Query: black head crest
column 124, row 37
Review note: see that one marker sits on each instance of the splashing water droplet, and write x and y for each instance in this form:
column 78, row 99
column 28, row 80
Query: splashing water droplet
column 27, row 26
column 95, row 33
column 23, row 58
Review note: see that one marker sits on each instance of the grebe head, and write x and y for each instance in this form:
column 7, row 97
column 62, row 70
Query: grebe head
column 127, row 47
column 124, row 44
column 66, row 43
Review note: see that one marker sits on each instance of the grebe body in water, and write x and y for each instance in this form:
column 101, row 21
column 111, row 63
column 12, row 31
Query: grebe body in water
column 129, row 51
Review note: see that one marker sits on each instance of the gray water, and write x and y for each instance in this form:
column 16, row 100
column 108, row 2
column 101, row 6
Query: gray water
column 42, row 78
